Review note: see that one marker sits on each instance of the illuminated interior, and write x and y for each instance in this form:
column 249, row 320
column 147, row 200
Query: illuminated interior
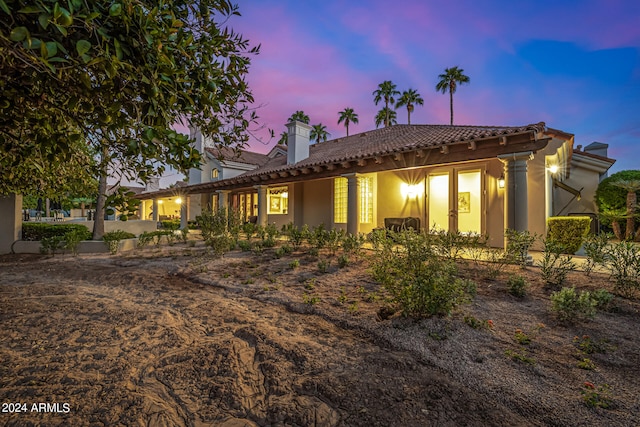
column 438, row 195
column 469, row 203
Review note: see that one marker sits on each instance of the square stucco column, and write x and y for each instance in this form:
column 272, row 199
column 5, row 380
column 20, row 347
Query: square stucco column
column 262, row 204
column 154, row 215
column 353, row 203
column 11, row 223
column 223, row 199
column 184, row 213
column 515, row 201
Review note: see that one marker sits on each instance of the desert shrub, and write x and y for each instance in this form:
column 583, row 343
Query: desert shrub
column 622, row 259
column 419, row 281
column 293, row 234
column 112, row 239
column 212, row 223
column 170, row 224
column 603, row 298
column 554, row 267
column 569, row 232
column 496, row 259
column 269, row 239
column 379, row 238
column 249, row 230
column 476, row 247
column 595, row 249
column 144, row 239
column 72, row 239
column 34, row 231
column 343, row 261
column 317, row 237
column 352, row 244
column 50, row 245
column 518, row 245
column 334, row 239
column 570, row 306
column 244, row 245
column 448, row 244
column 323, row 266
column 517, row 286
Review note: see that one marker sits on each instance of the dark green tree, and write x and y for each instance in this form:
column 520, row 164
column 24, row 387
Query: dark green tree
column 410, row 98
column 386, row 92
column 299, row 116
column 449, row 82
column 347, row 116
column 386, row 117
column 319, row 133
column 117, row 76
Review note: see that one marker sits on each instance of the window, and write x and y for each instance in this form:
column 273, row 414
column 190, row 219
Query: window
column 278, row 200
column 215, row 173
column 340, row 200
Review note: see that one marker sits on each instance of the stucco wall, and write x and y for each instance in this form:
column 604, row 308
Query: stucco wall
column 136, row 227
column 317, row 207
column 495, row 204
column 282, row 219
column 392, row 203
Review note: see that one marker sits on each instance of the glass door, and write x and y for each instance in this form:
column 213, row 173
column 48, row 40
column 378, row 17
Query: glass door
column 438, row 202
column 469, row 202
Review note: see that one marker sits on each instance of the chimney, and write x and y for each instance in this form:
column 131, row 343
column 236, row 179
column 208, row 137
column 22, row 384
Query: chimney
column 297, row 141
column 195, row 174
column 153, row 184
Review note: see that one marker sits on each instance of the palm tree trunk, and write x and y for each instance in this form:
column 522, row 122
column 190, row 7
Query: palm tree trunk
column 346, row 124
column 631, row 210
column 386, row 113
column 451, row 104
column 617, row 231
column 408, row 116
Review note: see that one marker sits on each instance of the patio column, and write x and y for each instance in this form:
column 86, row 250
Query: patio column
column 223, row 199
column 154, row 215
column 516, row 208
column 184, row 213
column 11, row 224
column 262, row 204
column 353, row 203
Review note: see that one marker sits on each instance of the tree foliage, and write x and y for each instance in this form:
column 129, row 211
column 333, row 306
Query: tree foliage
column 616, row 199
column 386, row 92
column 319, row 132
column 410, row 98
column 449, row 81
column 348, row 116
column 116, row 75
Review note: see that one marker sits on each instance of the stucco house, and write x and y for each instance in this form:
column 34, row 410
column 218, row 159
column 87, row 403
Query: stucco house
column 477, row 179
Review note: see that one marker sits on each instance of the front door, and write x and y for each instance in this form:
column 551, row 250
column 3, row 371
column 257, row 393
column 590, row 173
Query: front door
column 455, row 201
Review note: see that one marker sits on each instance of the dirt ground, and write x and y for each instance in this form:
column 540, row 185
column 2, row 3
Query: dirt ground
column 173, row 337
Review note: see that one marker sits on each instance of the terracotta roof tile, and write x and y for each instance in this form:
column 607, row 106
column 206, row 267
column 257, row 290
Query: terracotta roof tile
column 393, row 139
column 240, row 156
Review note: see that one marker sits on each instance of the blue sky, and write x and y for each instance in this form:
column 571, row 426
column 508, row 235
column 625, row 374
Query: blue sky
column 572, row 64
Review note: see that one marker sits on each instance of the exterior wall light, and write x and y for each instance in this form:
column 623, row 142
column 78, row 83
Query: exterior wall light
column 553, row 168
column 179, row 200
column 501, row 181
column 410, row 191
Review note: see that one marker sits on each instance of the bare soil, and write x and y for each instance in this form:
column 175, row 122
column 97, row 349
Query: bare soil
column 174, row 336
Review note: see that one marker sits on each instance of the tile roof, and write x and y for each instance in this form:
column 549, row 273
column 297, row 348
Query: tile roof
column 240, row 156
column 393, row 139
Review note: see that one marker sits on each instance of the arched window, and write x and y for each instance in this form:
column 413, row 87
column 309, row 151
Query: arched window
column 214, row 173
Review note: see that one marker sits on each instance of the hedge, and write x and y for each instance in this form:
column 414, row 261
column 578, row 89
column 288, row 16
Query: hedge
column 569, row 231
column 36, row 231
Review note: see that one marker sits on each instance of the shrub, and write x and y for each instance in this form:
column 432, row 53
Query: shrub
column 596, row 396
column 554, row 267
column 244, row 245
column 113, row 238
column 34, row 231
column 569, row 232
column 518, row 245
column 72, row 240
column 334, row 239
column 612, row 198
column 50, row 245
column 603, row 299
column 517, row 286
column 449, row 244
column 343, row 261
column 420, row 282
column 352, row 244
column 595, row 249
column 569, row 305
column 622, row 259
column 170, row 224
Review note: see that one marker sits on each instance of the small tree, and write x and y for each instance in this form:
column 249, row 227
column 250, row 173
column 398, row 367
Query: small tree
column 617, row 206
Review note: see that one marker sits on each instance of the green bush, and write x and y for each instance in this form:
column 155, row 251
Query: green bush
column 569, row 231
column 610, row 197
column 518, row 245
column 569, row 305
column 595, row 249
column 517, row 286
column 113, row 238
column 35, row 231
column 623, row 263
column 419, row 281
column 170, row 224
column 554, row 267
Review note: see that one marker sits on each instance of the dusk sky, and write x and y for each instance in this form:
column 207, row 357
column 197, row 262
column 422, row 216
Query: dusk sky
column 573, row 64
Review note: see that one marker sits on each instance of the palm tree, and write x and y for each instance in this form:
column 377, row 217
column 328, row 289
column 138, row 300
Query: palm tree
column 409, row 98
column 386, row 116
column 632, row 186
column 386, row 91
column 319, row 132
column 348, row 116
column 449, row 82
column 299, row 116
column 284, row 137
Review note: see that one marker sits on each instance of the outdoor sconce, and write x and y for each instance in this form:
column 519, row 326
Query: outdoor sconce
column 501, row 181
column 553, row 169
column 179, row 200
column 160, row 202
column 410, row 191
